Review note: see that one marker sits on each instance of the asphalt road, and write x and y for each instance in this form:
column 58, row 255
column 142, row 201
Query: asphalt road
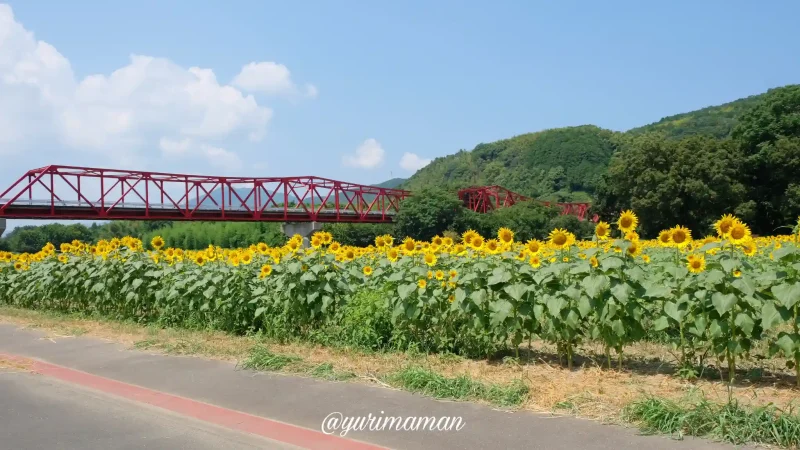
column 41, row 413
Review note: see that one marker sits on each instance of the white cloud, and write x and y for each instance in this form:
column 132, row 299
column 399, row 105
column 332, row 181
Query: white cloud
column 216, row 157
column 368, row 155
column 412, row 162
column 270, row 78
column 123, row 115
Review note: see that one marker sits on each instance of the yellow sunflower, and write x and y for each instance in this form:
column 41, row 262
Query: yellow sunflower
column 534, row 246
column 739, row 233
column 367, row 271
column 680, row 236
column 560, row 238
column 505, row 235
column 724, row 224
column 430, row 259
column 627, row 221
column 422, row 283
column 601, row 230
column 696, row 263
column 157, row 242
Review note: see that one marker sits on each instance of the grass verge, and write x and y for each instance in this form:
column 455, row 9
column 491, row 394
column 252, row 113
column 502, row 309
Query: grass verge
column 729, row 422
column 427, row 382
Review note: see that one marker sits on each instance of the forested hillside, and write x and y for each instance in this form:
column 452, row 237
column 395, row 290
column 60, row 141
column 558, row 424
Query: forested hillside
column 558, row 164
column 714, row 121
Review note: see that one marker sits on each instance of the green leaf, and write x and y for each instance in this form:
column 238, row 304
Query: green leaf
column 326, row 301
column 770, row 316
column 572, row 320
column 723, row 302
column 209, row 292
column 260, row 311
column 622, row 292
column 311, row 297
column 404, row 290
column 611, row 262
column 309, row 276
column 460, row 295
column 584, row 306
column 395, row 277
column 499, row 275
column 259, row 291
column 594, row 285
column 674, row 311
column 501, row 309
column 516, row 291
column 478, row 296
column 728, row 264
column 782, row 252
column 657, row 291
column 136, row 283
column 662, row 323
column 555, row 305
column 745, row 323
column 789, row 343
column 787, row 294
column 618, row 328
column 745, row 285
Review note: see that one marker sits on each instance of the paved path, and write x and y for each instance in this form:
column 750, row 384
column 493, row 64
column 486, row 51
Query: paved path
column 304, row 402
column 43, row 413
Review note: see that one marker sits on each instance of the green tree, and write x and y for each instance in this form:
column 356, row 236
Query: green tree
column 689, row 182
column 427, row 213
column 527, row 219
column 769, row 138
column 360, row 234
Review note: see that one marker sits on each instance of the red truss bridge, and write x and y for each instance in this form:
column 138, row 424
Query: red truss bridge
column 80, row 193
column 484, row 199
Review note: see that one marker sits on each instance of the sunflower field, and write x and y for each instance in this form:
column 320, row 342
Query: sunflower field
column 719, row 296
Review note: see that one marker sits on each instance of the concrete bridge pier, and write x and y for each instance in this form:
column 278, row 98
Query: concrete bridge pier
column 2, row 226
column 305, row 229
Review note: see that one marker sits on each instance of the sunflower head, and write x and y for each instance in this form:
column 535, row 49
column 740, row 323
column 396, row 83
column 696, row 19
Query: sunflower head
column 533, row 246
column 561, row 239
column 601, row 230
column 739, row 232
column 696, row 263
column 367, row 270
column 430, row 259
column 680, row 236
column 627, row 221
column 505, row 235
column 422, row 283
column 724, row 224
column 535, row 261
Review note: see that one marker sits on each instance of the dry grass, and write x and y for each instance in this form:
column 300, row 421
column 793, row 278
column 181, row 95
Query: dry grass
column 10, row 365
column 590, row 391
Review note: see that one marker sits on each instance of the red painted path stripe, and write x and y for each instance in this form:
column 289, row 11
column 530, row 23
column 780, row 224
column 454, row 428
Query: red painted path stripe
column 236, row 420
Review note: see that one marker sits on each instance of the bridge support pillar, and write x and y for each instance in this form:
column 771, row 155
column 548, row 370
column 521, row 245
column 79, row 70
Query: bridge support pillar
column 2, row 226
column 305, row 229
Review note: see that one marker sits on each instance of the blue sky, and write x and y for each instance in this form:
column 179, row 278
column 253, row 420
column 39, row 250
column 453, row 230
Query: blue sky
column 348, row 90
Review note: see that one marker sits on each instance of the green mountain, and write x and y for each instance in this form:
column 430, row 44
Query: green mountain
column 557, row 164
column 564, row 164
column 394, row 183
column 716, row 121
